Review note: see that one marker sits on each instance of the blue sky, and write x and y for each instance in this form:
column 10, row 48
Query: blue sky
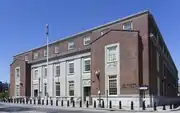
column 22, row 22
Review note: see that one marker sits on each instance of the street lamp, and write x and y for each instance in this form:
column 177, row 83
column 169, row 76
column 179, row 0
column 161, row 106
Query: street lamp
column 97, row 73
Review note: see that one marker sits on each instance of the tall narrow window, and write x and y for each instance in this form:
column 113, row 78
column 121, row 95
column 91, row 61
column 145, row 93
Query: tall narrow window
column 158, row 86
column 71, row 67
column 57, row 88
column 17, row 90
column 113, row 85
column 57, row 70
column 127, row 26
column 45, row 72
column 17, row 72
column 71, row 88
column 157, row 58
column 36, row 74
column 87, row 65
column 111, row 54
column 45, row 89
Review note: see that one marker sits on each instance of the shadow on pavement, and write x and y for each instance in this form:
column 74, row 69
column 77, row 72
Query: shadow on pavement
column 15, row 109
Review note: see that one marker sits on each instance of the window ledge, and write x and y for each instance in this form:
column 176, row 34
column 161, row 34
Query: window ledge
column 69, row 74
column 87, row 72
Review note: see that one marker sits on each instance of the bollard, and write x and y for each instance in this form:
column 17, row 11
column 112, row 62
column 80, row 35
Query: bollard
column 80, row 103
column 30, row 101
column 47, row 102
column 120, row 106
column 155, row 106
column 43, row 102
column 103, row 104
column 62, row 103
column 51, row 102
column 164, row 107
column 39, row 101
column 73, row 103
column 170, row 107
column 20, row 101
column 23, row 101
column 68, row 103
column 14, row 101
column 87, row 104
column 26, row 101
column 174, row 106
column 56, row 102
column 143, row 106
column 35, row 101
column 94, row 104
column 110, row 104
column 132, row 105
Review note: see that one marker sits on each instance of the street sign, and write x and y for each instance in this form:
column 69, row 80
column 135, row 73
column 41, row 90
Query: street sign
column 143, row 88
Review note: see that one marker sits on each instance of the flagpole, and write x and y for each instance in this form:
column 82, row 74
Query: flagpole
column 47, row 39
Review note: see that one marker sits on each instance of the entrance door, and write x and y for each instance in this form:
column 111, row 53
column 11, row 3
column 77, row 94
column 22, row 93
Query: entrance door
column 35, row 93
column 87, row 92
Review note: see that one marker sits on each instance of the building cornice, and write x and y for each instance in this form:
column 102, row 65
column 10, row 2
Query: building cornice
column 93, row 29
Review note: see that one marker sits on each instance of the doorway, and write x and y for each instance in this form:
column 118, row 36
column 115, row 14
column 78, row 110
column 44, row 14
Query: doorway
column 35, row 93
column 87, row 92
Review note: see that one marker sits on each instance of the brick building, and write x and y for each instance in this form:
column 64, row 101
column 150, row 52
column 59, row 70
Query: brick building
column 112, row 60
column 4, row 87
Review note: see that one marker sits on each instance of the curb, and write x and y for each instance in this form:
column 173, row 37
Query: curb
column 76, row 108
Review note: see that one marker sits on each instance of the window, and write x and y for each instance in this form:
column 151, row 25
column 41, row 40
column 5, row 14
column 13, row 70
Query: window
column 158, row 86
column 17, row 90
column 71, row 45
column 58, row 70
column 86, row 40
column 36, row 74
column 26, row 58
column 17, row 73
column 56, row 49
column 71, row 67
column 87, row 65
column 57, row 88
column 45, row 72
column 45, row 52
column 71, row 88
column 45, row 89
column 113, row 85
column 127, row 26
column 157, row 55
column 35, row 55
column 111, row 54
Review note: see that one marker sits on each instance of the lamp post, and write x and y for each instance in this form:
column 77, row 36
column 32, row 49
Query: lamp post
column 47, row 47
column 99, row 91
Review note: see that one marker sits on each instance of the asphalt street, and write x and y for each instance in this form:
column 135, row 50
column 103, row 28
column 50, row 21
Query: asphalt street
column 19, row 109
column 8, row 108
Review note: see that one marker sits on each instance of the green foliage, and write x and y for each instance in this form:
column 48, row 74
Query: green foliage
column 4, row 95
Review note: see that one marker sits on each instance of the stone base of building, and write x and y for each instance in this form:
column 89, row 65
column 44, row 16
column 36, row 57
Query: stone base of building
column 126, row 100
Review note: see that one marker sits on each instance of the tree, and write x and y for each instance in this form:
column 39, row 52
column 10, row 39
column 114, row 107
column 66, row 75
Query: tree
column 4, row 95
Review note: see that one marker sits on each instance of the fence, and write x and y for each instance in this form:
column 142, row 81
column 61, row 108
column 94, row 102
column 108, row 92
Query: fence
column 80, row 104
